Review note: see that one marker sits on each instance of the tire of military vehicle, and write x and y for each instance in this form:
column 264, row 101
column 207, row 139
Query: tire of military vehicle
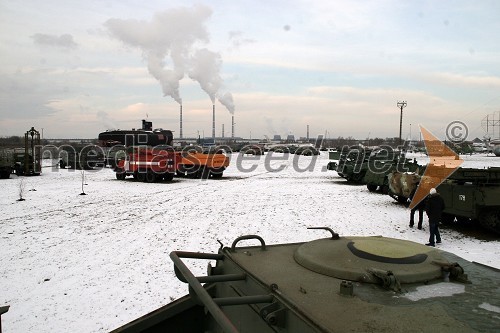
column 490, row 219
column 371, row 187
column 120, row 174
column 4, row 174
column 358, row 177
column 168, row 176
column 62, row 164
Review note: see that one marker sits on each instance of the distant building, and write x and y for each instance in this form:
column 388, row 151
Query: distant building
column 290, row 138
column 277, row 137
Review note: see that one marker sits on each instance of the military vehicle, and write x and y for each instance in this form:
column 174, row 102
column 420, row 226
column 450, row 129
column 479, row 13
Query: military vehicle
column 371, row 166
column 352, row 163
column 334, row 154
column 306, row 151
column 252, row 150
column 470, row 195
column 402, row 185
column 334, row 284
column 280, row 149
column 376, row 177
column 6, row 162
column 25, row 164
column 81, row 156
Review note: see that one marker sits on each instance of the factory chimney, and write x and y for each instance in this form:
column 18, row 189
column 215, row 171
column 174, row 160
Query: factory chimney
column 223, row 131
column 180, row 125
column 307, row 133
column 232, row 126
column 213, row 123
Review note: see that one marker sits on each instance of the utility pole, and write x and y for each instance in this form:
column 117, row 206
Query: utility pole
column 401, row 105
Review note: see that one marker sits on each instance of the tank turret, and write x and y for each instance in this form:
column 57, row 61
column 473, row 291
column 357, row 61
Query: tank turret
column 334, row 284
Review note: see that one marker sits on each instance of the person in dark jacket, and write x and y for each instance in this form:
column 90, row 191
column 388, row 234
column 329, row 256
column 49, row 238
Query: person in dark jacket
column 434, row 208
column 420, row 207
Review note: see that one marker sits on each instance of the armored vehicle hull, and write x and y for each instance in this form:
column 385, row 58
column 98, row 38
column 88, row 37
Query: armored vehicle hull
column 336, row 284
column 470, row 195
column 371, row 166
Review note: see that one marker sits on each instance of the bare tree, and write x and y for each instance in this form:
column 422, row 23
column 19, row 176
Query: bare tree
column 83, row 182
column 22, row 189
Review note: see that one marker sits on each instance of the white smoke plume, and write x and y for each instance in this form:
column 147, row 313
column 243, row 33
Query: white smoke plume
column 172, row 34
column 226, row 99
column 167, row 44
column 169, row 79
column 205, row 67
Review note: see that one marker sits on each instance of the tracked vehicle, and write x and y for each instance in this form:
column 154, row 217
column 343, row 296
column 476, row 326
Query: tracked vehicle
column 470, row 195
column 371, row 166
column 334, row 284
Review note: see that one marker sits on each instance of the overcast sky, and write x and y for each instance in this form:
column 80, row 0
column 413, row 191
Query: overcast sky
column 77, row 68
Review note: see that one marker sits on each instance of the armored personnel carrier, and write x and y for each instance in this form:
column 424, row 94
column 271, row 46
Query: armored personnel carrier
column 334, row 284
column 352, row 164
column 376, row 176
column 371, row 166
column 470, row 195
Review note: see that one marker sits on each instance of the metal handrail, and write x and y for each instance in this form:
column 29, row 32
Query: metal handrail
column 3, row 309
column 213, row 304
column 262, row 243
column 219, row 316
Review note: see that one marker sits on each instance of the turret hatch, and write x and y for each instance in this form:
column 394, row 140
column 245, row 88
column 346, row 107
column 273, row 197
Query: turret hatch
column 361, row 258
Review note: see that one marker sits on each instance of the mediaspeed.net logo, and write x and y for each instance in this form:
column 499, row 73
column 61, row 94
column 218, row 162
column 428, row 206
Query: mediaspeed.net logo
column 443, row 161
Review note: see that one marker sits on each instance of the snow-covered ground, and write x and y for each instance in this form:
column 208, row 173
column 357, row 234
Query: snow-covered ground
column 90, row 263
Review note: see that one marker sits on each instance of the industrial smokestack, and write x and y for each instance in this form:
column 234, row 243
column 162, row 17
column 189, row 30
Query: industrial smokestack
column 180, row 125
column 223, row 131
column 213, row 123
column 232, row 126
column 307, row 133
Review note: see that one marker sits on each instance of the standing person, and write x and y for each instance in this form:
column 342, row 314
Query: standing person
column 434, row 208
column 420, row 207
